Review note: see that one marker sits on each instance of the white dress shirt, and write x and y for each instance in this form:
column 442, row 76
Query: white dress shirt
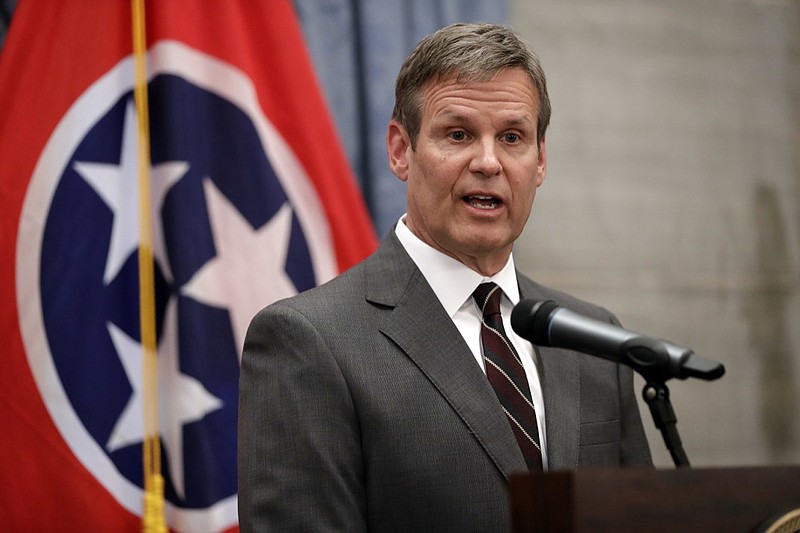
column 453, row 283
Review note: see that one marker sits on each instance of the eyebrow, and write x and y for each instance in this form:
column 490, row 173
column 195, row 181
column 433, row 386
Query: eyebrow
column 453, row 116
column 519, row 121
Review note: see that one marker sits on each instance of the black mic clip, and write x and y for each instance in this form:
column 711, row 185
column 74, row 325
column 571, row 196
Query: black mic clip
column 651, row 358
column 648, row 357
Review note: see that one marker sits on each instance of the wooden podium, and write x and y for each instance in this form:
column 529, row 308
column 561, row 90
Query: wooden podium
column 683, row 500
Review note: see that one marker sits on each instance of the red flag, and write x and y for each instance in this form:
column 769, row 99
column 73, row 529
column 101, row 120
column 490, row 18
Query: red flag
column 253, row 200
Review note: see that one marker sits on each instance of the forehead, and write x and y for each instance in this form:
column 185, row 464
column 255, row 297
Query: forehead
column 509, row 92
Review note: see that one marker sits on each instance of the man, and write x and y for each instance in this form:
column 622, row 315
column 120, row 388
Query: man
column 365, row 403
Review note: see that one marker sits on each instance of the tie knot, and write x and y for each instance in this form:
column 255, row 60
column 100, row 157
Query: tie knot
column 487, row 296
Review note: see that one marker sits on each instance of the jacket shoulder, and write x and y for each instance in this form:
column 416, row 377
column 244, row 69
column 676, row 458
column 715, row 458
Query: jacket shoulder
column 534, row 290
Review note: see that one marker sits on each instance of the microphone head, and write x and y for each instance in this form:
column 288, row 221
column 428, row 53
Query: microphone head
column 530, row 319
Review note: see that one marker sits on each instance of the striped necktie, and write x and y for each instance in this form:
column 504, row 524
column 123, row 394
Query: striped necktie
column 507, row 376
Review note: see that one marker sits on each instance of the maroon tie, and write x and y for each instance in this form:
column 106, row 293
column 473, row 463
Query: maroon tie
column 507, row 376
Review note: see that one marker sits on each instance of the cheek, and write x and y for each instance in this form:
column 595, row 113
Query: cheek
column 432, row 180
column 422, row 197
column 523, row 199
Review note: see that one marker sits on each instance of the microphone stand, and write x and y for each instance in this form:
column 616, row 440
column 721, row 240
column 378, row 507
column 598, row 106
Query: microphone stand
column 656, row 395
column 647, row 357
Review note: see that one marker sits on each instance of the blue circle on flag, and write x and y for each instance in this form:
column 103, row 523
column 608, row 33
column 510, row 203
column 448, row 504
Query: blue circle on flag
column 82, row 304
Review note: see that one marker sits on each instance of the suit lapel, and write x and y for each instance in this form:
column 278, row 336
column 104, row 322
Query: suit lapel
column 559, row 373
column 421, row 328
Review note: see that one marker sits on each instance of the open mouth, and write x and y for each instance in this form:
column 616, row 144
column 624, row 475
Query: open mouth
column 482, row 202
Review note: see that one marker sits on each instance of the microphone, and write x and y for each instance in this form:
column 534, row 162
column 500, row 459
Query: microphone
column 547, row 324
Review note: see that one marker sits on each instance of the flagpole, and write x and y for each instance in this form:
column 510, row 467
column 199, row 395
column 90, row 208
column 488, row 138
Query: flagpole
column 153, row 516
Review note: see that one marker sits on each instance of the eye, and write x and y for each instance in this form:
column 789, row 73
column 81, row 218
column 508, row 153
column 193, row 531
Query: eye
column 458, row 135
column 511, row 138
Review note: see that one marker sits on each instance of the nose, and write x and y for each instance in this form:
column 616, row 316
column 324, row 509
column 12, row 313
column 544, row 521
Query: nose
column 485, row 160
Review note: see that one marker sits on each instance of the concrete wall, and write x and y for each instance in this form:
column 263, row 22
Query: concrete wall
column 673, row 198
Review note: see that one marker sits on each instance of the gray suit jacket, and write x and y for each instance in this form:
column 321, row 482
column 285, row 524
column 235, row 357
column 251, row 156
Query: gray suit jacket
column 362, row 408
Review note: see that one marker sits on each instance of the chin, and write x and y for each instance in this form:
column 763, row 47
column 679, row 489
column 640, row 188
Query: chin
column 483, row 246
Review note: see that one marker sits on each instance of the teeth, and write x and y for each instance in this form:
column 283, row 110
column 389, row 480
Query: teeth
column 483, row 202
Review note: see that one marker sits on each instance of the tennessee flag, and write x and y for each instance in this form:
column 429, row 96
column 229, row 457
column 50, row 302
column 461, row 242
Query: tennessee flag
column 252, row 201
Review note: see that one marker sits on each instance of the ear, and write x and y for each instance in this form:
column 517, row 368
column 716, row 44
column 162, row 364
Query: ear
column 541, row 164
column 398, row 146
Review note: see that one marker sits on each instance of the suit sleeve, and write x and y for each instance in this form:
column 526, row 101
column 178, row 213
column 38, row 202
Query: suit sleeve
column 299, row 459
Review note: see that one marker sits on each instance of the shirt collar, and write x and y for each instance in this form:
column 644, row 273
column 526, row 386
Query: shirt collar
column 452, row 281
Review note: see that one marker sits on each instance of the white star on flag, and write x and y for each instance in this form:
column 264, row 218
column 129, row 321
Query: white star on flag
column 118, row 186
column 182, row 399
column 248, row 271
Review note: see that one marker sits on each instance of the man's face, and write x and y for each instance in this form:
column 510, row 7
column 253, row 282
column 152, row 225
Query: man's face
column 474, row 173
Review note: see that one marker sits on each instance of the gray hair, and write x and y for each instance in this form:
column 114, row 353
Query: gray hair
column 467, row 52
